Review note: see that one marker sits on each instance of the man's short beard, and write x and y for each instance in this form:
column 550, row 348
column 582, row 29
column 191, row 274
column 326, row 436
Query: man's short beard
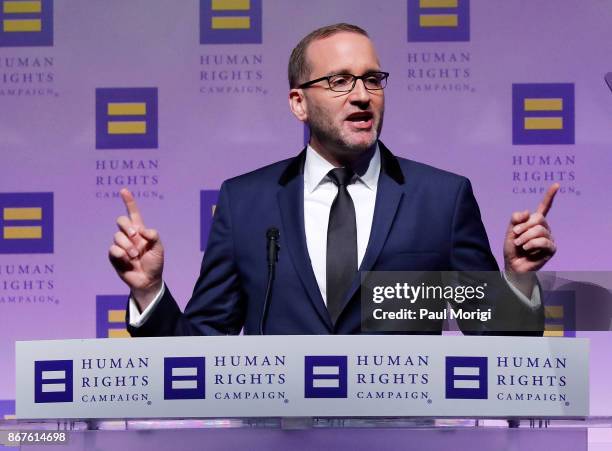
column 327, row 134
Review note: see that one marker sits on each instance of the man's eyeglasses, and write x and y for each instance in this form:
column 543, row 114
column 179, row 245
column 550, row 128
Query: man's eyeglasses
column 373, row 81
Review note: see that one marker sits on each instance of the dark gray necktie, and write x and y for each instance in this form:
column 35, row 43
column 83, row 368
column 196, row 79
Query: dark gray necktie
column 341, row 243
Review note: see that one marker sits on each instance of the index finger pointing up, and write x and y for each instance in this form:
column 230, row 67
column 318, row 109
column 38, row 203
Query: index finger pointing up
column 547, row 202
column 132, row 208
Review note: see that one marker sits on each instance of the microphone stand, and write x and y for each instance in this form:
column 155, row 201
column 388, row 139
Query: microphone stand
column 272, row 235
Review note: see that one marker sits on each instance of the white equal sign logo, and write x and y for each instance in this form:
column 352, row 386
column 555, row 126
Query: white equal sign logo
column 327, row 382
column 189, row 378
column 54, row 385
column 473, row 371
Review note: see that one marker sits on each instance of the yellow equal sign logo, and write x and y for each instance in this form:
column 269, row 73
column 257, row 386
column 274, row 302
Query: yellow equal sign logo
column 21, row 25
column 438, row 20
column 543, row 123
column 22, row 232
column 555, row 313
column 127, row 127
column 117, row 317
column 220, row 22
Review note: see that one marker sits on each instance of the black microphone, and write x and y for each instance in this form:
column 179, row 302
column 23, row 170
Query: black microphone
column 272, row 235
column 608, row 78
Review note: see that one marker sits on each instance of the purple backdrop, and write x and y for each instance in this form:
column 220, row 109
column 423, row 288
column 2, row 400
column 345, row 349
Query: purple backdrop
column 214, row 110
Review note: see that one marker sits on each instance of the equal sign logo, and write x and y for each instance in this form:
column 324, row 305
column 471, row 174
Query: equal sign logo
column 26, row 23
column 438, row 20
column 325, row 376
column 208, row 204
column 110, row 316
column 26, row 223
column 53, row 381
column 126, row 118
column 466, row 378
column 230, row 22
column 543, row 113
column 184, row 378
column 560, row 314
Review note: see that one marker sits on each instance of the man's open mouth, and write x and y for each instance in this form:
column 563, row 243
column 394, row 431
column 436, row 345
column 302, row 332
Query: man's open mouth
column 362, row 119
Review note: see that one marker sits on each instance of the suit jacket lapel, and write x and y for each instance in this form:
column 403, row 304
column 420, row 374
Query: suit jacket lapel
column 291, row 203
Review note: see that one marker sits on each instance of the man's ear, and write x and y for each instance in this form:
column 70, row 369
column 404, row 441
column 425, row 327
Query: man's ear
column 297, row 104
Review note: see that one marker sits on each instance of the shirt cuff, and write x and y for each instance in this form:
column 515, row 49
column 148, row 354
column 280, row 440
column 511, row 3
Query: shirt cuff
column 137, row 319
column 534, row 302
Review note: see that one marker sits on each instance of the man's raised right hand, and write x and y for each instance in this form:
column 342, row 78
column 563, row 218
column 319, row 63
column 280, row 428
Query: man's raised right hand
column 137, row 254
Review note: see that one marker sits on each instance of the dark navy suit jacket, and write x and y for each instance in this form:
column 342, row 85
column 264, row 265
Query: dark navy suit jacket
column 424, row 219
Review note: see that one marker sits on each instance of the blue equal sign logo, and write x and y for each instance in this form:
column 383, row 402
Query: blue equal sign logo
column 543, row 113
column 126, row 118
column 26, row 223
column 438, row 20
column 110, row 316
column 26, row 23
column 325, row 376
column 208, row 204
column 53, row 381
column 466, row 378
column 184, row 378
column 230, row 22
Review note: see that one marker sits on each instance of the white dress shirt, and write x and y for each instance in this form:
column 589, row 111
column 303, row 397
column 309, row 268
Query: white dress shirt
column 319, row 194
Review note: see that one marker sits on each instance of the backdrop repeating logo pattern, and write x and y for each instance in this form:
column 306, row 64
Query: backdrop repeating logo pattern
column 110, row 316
column 208, row 204
column 26, row 23
column 230, row 22
column 184, row 378
column 53, row 381
column 126, row 118
column 543, row 113
column 466, row 377
column 438, row 20
column 325, row 376
column 26, row 223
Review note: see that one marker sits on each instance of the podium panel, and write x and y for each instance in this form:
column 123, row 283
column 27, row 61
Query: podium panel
column 296, row 376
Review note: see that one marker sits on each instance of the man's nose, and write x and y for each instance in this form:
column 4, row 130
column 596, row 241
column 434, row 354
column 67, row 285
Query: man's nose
column 359, row 94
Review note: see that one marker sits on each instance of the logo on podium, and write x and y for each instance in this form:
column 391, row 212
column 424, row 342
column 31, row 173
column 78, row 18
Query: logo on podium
column 325, row 376
column 53, row 381
column 184, row 378
column 466, row 378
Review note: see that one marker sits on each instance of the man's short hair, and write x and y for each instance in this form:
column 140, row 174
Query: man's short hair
column 298, row 64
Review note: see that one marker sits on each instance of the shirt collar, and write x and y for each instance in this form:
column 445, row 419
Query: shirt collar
column 316, row 168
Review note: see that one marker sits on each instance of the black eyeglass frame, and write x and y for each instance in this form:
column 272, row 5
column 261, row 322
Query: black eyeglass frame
column 309, row 84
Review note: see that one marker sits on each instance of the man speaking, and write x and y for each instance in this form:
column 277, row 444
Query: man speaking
column 345, row 204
